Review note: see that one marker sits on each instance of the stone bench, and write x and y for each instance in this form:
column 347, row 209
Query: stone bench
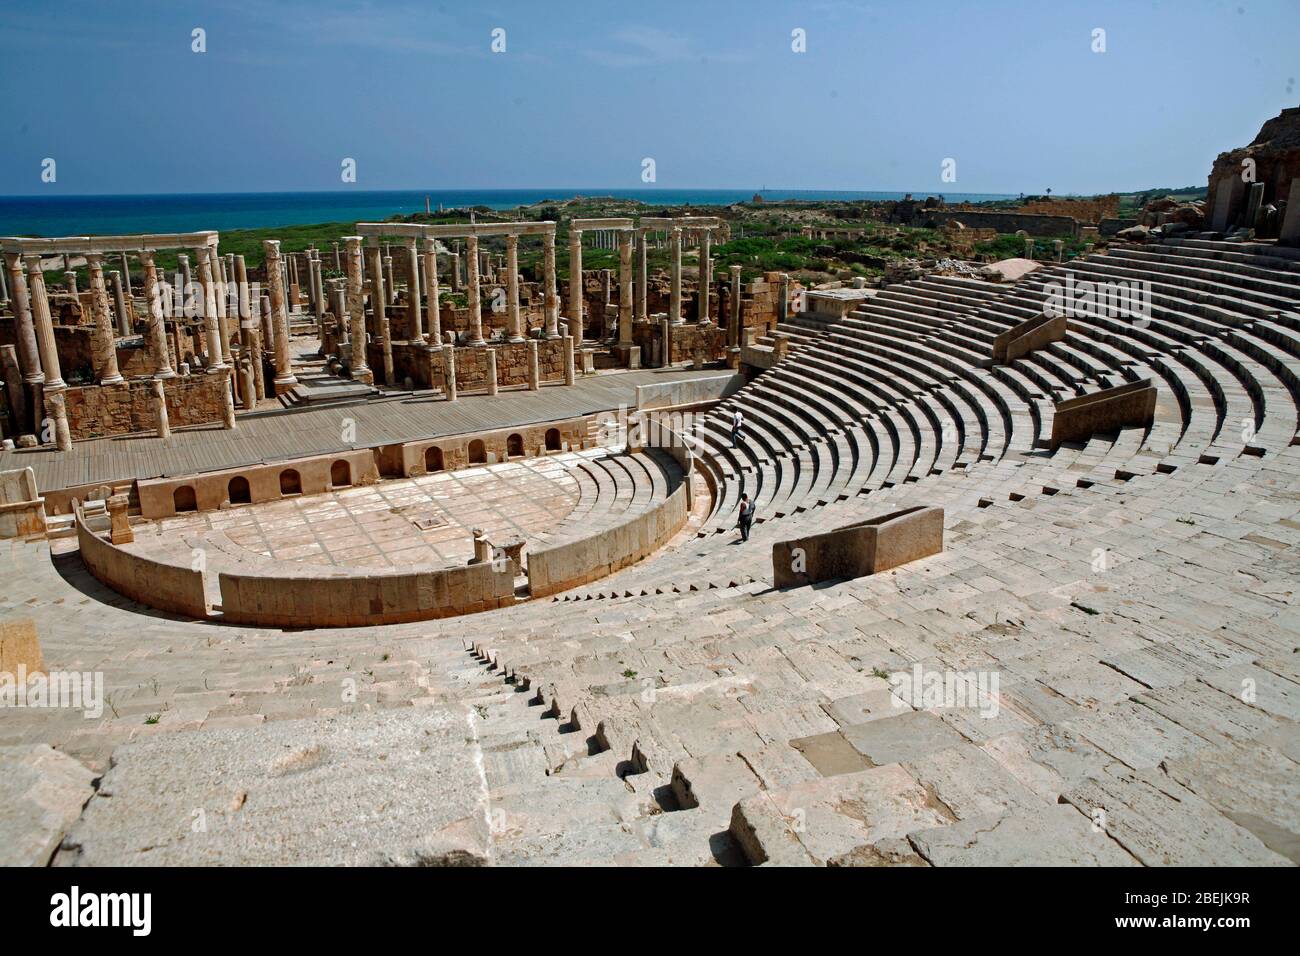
column 859, row 549
column 1077, row 419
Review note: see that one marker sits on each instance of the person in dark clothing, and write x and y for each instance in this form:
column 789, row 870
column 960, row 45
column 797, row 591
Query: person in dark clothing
column 746, row 517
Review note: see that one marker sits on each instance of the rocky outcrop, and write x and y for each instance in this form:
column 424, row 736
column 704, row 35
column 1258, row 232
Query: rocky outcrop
column 1272, row 159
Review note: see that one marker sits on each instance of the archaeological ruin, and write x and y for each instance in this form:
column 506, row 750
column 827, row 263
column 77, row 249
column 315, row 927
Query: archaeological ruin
column 434, row 525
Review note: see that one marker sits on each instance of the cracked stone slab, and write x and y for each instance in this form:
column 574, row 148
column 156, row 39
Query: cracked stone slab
column 1253, row 785
column 1050, row 835
column 42, row 792
column 390, row 788
column 1163, row 823
column 834, row 816
column 906, row 737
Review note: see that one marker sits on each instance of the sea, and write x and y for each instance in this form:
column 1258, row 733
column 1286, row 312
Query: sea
column 189, row 212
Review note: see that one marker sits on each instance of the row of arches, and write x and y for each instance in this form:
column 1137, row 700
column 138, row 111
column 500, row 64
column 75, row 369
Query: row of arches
column 477, row 451
column 240, row 492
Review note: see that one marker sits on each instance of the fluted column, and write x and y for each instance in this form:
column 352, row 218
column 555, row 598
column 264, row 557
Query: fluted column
column 119, row 303
column 250, row 337
column 55, row 407
column 284, row 377
column 413, row 290
column 550, row 298
column 380, row 286
column 156, row 334
column 675, row 297
column 512, row 289
column 103, row 341
column 475, row 306
column 223, row 301
column 625, row 287
column 211, row 330
column 706, row 276
column 431, row 291
column 575, row 285
column 29, row 356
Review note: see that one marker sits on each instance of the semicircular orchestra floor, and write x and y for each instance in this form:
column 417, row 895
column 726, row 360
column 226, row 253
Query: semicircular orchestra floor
column 426, row 521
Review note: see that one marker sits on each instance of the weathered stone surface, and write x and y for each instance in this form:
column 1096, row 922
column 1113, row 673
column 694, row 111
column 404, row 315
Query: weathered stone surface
column 907, row 737
column 1164, row 824
column 1050, row 835
column 42, row 792
column 394, row 788
column 20, row 646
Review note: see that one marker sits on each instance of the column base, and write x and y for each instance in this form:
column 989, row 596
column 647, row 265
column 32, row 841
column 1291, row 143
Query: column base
column 477, row 343
column 114, row 380
column 288, row 381
column 363, row 375
column 169, row 373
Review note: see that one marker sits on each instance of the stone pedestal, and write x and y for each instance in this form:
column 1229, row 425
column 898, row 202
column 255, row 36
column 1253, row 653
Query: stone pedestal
column 119, row 525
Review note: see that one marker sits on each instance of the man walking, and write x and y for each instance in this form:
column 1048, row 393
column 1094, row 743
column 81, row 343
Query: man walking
column 746, row 517
column 737, row 423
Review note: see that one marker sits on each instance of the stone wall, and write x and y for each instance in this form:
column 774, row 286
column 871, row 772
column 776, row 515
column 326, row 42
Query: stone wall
column 354, row 600
column 1003, row 222
column 152, row 583
column 101, row 411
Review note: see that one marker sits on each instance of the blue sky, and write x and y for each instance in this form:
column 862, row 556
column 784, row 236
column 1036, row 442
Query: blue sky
column 712, row 91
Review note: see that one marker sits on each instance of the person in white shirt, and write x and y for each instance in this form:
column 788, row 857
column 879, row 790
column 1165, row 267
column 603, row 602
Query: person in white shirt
column 746, row 517
column 737, row 423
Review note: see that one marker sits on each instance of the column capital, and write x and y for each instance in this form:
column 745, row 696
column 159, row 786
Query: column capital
column 94, row 259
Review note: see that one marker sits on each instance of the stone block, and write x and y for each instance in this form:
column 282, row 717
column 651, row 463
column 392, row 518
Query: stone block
column 1126, row 406
column 1291, row 221
column 19, row 645
column 42, row 792
column 1031, row 334
column 866, row 547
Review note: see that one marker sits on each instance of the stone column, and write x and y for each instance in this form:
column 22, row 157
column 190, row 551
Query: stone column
column 455, row 272
column 70, row 280
column 211, row 331
column 550, row 298
column 475, row 307
column 228, row 396
column 706, row 276
column 512, row 289
column 379, row 309
column 734, row 319
column 643, row 274
column 284, row 377
column 29, row 356
column 568, row 360
column 160, row 408
column 4, row 280
column 188, row 309
column 413, row 290
column 338, row 261
column 675, row 299
column 119, row 304
column 250, row 334
column 783, row 298
column 625, row 287
column 247, row 386
column 491, row 371
column 575, row 285
column 534, row 370
column 55, row 407
column 223, row 301
column 103, row 342
column 357, row 311
column 156, row 333
column 431, row 292
column 667, row 357
column 449, row 371
column 390, row 287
